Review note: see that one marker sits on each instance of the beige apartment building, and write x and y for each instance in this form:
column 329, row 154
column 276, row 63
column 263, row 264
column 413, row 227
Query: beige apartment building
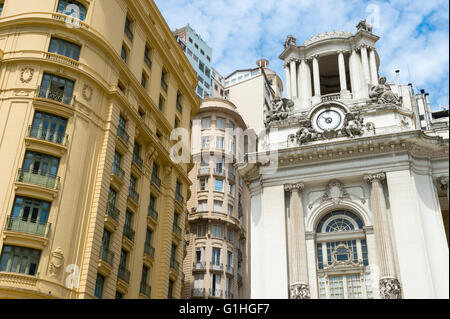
column 91, row 204
column 217, row 263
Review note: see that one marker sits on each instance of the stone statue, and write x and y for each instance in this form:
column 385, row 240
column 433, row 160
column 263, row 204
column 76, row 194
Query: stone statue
column 56, row 261
column 390, row 288
column 305, row 135
column 364, row 26
column 382, row 93
column 353, row 125
column 290, row 40
column 279, row 109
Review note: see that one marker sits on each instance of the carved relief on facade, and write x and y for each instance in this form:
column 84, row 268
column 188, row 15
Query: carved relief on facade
column 87, row 92
column 278, row 110
column 26, row 74
column 335, row 192
column 390, row 288
column 56, row 261
column 382, row 93
column 300, row 291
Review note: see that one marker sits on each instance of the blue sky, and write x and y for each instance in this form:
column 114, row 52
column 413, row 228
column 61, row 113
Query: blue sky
column 414, row 34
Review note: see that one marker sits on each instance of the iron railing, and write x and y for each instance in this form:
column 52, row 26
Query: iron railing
column 175, row 265
column 220, row 172
column 138, row 160
column 123, row 135
column 28, row 226
column 156, row 181
column 145, row 289
column 56, row 95
column 215, row 293
column 179, row 198
column 106, row 255
column 149, row 250
column 117, row 171
column 38, row 177
column 133, row 195
column 230, row 269
column 215, row 266
column 124, row 274
column 39, row 133
column 201, row 265
column 203, row 171
column 198, row 292
column 112, row 211
column 331, row 97
column 128, row 232
column 176, row 229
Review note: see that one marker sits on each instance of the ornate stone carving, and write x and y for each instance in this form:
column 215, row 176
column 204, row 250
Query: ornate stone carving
column 390, row 288
column 300, row 291
column 87, row 92
column 290, row 40
column 328, row 35
column 371, row 178
column 382, row 93
column 364, row 26
column 335, row 191
column 26, row 75
column 443, row 182
column 305, row 135
column 279, row 110
column 56, row 261
column 296, row 187
column 353, row 125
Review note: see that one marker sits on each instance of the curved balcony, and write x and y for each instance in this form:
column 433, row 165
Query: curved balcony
column 215, row 267
column 32, row 226
column 37, row 132
column 198, row 292
column 203, row 171
column 56, row 95
column 37, row 177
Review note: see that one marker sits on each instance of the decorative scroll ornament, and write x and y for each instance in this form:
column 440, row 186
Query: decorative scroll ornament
column 390, row 288
column 56, row 261
column 382, row 93
column 335, row 191
column 26, row 75
column 279, row 110
column 300, row 291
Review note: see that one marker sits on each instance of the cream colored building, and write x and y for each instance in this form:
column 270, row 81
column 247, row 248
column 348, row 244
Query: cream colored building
column 217, row 263
column 91, row 204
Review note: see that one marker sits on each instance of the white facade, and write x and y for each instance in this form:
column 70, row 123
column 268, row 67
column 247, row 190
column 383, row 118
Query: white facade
column 355, row 205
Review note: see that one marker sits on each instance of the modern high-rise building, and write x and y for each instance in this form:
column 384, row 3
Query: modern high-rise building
column 199, row 54
column 217, row 262
column 353, row 202
column 91, row 204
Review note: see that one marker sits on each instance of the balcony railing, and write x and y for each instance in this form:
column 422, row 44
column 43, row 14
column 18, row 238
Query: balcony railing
column 106, row 255
column 32, row 226
column 230, row 269
column 138, row 160
column 149, row 250
column 164, row 85
column 220, row 172
column 56, row 95
column 156, row 181
column 145, row 289
column 61, row 59
column 123, row 135
column 117, row 171
column 331, row 97
column 198, row 292
column 176, row 229
column 133, row 195
column 40, row 178
column 175, row 265
column 201, row 265
column 203, row 171
column 112, row 211
column 153, row 214
column 128, row 232
column 215, row 293
column 124, row 274
column 179, row 198
column 216, row 266
column 39, row 133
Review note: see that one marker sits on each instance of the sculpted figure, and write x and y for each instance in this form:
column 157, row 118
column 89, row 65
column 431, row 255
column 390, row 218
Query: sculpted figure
column 290, row 40
column 382, row 93
column 353, row 125
column 278, row 110
column 305, row 135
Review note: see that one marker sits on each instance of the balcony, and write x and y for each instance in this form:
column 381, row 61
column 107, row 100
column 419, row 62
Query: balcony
column 152, row 214
column 124, row 274
column 123, row 135
column 203, row 171
column 176, row 229
column 57, row 95
column 215, row 293
column 156, row 181
column 219, row 172
column 199, row 266
column 149, row 250
column 38, row 178
column 33, row 227
column 37, row 132
column 106, row 255
column 128, row 232
column 175, row 265
column 179, row 198
column 132, row 194
column 118, row 172
column 61, row 59
column 230, row 269
column 215, row 266
column 138, row 160
column 331, row 97
column 145, row 289
column 198, row 292
column 112, row 211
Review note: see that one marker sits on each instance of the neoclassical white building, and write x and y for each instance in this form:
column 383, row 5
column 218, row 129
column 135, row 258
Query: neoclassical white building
column 357, row 206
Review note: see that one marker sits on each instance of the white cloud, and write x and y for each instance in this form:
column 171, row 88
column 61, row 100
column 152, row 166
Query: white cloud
column 413, row 33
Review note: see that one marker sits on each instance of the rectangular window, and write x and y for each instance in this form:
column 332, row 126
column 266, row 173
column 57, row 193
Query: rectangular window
column 147, row 58
column 207, row 72
column 144, row 80
column 203, row 184
column 20, row 260
column 205, row 142
column 170, row 292
column 202, row 52
column 178, row 102
column 161, row 103
column 1, row 8
column 129, row 28
column 48, row 127
column 201, row 231
column 230, row 235
column 39, row 169
column 99, row 282
column 206, row 122
column 231, row 189
column 56, row 88
column 230, row 209
column 199, row 91
column 201, row 66
column 65, row 48
column 124, row 53
column 215, row 260
column 218, row 206
column 72, row 8
column 220, row 123
column 202, row 206
column 29, row 216
column 220, row 142
column 164, row 80
column 189, row 52
column 199, row 281
column 218, row 185
column 195, row 58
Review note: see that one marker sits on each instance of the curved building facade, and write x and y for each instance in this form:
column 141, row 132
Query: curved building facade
column 91, row 204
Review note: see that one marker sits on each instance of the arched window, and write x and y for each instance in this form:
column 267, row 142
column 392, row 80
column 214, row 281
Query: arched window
column 342, row 257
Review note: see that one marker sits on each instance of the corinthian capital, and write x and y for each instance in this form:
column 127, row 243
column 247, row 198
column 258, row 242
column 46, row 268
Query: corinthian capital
column 372, row 178
column 296, row 187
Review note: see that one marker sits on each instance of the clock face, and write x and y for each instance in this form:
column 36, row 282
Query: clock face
column 329, row 120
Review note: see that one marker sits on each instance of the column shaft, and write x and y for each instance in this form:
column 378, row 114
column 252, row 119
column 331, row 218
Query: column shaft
column 288, row 81
column 316, row 75
column 342, row 75
column 293, row 78
column 365, row 63
column 373, row 67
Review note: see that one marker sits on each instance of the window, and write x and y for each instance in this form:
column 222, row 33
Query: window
column 128, row 28
column 230, row 235
column 199, row 91
column 99, row 282
column 206, row 122
column 189, row 52
column 141, row 112
column 208, row 58
column 124, row 53
column 65, row 48
column 176, row 123
column 144, row 80
column 200, row 79
column 170, row 292
column 195, row 58
column 147, row 58
column 218, row 206
column 72, row 8
column 164, row 80
column 20, row 260
column 203, row 184
column 202, row 52
column 215, row 260
column 220, row 142
column 196, row 45
column 230, row 209
column 340, row 273
column 39, row 169
column 199, row 281
column 220, row 123
column 48, row 127
column 190, row 39
column 218, row 185
column 178, row 103
column 29, row 216
column 202, row 229
column 161, row 103
column 56, row 88
column 201, row 66
column 202, row 206
column 231, row 189
column 230, row 259
column 205, row 142
column 1, row 7
column 207, row 72
column 148, row 240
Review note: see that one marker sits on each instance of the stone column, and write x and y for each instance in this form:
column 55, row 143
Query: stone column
column 298, row 285
column 316, row 75
column 365, row 63
column 373, row 67
column 354, row 75
column 293, row 64
column 288, row 80
column 389, row 285
column 342, row 75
